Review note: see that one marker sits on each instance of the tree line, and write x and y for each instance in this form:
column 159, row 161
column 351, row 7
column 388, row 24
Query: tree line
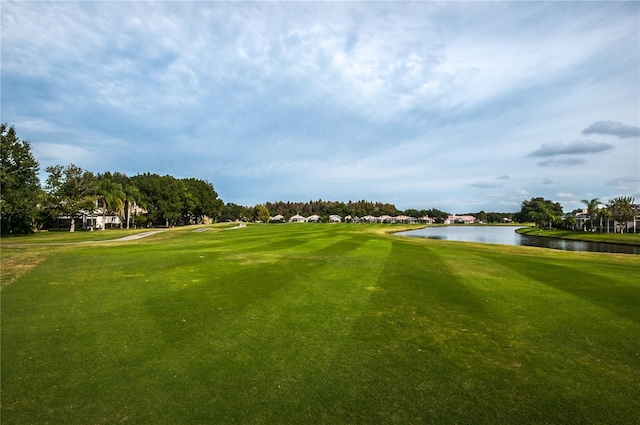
column 69, row 191
column 321, row 208
column 547, row 214
column 153, row 200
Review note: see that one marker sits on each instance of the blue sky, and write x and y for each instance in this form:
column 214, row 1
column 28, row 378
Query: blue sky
column 461, row 106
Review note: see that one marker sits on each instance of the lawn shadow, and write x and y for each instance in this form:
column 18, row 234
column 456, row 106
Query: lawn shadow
column 605, row 292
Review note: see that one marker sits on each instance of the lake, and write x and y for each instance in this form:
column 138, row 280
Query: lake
column 506, row 235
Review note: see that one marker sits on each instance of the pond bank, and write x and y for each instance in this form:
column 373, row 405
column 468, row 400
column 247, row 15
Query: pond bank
column 611, row 238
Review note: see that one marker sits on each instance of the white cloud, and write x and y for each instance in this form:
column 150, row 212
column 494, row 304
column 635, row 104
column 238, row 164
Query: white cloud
column 416, row 101
column 564, row 195
column 57, row 153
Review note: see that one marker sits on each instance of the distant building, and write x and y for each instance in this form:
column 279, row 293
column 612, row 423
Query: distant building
column 460, row 219
column 297, row 219
column 426, row 220
column 334, row 218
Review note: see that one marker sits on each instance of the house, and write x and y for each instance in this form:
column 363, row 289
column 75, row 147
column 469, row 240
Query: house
column 406, row 219
column 278, row 218
column 582, row 218
column 334, row 218
column 297, row 219
column 91, row 220
column 385, row 219
column 426, row 220
column 460, row 219
column 313, row 218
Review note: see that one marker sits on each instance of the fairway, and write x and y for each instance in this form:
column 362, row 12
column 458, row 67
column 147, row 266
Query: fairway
column 317, row 324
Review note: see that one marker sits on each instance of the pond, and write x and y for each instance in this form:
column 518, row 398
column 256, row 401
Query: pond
column 506, row 235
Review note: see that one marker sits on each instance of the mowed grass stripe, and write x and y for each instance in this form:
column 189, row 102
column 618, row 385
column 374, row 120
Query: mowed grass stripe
column 320, row 324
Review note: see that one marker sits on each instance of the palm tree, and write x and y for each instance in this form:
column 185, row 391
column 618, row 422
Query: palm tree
column 111, row 196
column 570, row 222
column 592, row 210
column 622, row 210
column 132, row 196
column 605, row 214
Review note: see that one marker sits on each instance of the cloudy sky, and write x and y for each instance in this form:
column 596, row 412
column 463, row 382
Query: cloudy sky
column 460, row 106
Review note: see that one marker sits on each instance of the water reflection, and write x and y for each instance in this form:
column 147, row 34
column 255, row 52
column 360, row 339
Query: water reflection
column 508, row 236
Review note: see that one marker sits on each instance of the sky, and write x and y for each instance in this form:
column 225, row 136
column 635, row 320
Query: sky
column 460, row 106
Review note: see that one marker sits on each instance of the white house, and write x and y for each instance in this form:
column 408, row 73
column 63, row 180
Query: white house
column 90, row 220
column 460, row 219
column 334, row 218
column 297, row 219
column 406, row 219
column 313, row 218
column 387, row 219
column 426, row 220
column 278, row 217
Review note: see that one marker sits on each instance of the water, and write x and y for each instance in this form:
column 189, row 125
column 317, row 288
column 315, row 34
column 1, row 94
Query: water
column 506, row 235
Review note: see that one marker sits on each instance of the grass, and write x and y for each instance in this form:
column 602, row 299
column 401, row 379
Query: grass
column 617, row 238
column 66, row 237
column 317, row 324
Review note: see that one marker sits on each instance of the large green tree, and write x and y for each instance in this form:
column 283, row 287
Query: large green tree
column 232, row 212
column 19, row 183
column 69, row 192
column 202, row 200
column 164, row 197
column 542, row 212
column 262, row 213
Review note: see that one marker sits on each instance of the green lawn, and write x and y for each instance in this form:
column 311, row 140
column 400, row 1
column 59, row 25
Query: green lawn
column 304, row 323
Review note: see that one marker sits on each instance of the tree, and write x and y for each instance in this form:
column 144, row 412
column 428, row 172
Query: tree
column 69, row 191
column 569, row 221
column 164, row 196
column 605, row 214
column 203, row 200
column 592, row 210
column 622, row 211
column 262, row 213
column 132, row 197
column 541, row 211
column 110, row 195
column 440, row 216
column 233, row 212
column 482, row 216
column 19, row 183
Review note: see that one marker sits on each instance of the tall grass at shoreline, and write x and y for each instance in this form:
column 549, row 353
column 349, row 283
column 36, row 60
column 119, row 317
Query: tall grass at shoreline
column 318, row 324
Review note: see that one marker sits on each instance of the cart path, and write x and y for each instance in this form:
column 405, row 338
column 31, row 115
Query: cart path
column 134, row 237
column 205, row 229
column 123, row 239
